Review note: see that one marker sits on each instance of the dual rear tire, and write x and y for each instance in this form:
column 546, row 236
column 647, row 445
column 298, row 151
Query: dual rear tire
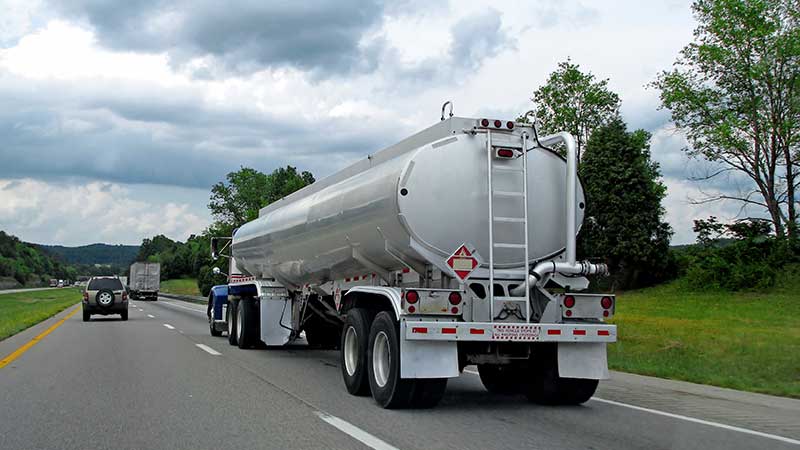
column 370, row 362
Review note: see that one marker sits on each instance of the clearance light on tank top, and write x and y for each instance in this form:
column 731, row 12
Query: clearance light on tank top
column 510, row 125
column 498, row 124
column 505, row 153
column 484, row 122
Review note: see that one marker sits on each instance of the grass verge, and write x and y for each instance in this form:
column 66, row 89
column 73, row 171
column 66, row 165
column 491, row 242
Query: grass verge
column 746, row 341
column 180, row 286
column 25, row 309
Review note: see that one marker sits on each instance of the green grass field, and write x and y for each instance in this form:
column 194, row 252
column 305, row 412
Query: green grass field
column 747, row 341
column 22, row 310
column 180, row 286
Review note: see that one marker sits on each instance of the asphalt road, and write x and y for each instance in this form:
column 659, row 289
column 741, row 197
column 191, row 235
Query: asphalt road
column 160, row 381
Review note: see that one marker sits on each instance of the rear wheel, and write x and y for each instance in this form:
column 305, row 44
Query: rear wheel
column 353, row 351
column 502, row 379
column 548, row 388
column 230, row 317
column 86, row 316
column 247, row 324
column 383, row 356
column 124, row 315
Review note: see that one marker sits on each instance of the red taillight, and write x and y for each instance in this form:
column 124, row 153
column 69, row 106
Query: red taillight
column 412, row 297
column 510, row 125
column 86, row 296
column 411, row 309
column 606, row 302
column 505, row 153
column 124, row 296
column 454, row 298
column 568, row 313
column 484, row 122
column 454, row 310
column 569, row 301
column 605, row 313
column 498, row 124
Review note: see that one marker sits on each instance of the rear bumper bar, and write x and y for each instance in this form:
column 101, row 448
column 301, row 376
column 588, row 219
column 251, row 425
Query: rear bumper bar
column 507, row 332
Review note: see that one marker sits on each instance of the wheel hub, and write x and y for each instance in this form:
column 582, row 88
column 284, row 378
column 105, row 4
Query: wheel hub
column 381, row 355
column 351, row 351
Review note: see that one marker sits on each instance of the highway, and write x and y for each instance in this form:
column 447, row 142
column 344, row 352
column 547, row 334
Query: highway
column 160, row 381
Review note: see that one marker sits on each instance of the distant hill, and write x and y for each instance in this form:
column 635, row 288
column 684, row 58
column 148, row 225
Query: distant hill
column 104, row 254
column 23, row 264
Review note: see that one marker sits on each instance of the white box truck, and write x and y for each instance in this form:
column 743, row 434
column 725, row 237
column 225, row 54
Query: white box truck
column 145, row 280
column 453, row 247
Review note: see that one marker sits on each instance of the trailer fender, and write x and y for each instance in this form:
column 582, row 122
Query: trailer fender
column 582, row 360
column 378, row 298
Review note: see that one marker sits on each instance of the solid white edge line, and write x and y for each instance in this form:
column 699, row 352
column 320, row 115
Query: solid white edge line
column 208, row 349
column 700, row 421
column 355, row 432
column 689, row 419
column 169, row 326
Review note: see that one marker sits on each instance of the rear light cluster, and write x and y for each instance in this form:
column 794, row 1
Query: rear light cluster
column 124, row 296
column 499, row 124
column 85, row 296
column 412, row 298
column 606, row 303
column 505, row 153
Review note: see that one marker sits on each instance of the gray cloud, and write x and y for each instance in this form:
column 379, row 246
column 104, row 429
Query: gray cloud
column 324, row 35
column 145, row 136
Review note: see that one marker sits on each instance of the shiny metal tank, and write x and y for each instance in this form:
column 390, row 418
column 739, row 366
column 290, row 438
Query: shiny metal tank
column 431, row 188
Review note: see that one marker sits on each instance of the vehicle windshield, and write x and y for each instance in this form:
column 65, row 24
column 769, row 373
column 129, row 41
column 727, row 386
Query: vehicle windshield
column 112, row 284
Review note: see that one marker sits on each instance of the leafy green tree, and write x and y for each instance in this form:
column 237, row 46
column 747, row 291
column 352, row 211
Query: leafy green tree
column 625, row 219
column 247, row 191
column 574, row 101
column 152, row 247
column 735, row 91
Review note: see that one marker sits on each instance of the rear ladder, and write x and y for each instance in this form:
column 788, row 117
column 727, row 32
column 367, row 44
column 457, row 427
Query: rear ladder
column 520, row 223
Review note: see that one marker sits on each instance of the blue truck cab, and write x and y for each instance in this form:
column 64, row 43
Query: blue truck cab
column 217, row 307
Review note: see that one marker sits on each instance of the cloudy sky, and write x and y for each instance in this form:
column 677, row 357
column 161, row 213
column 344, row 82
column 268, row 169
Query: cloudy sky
column 117, row 117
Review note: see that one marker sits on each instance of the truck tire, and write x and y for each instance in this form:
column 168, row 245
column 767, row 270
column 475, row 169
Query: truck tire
column 383, row 364
column 124, row 315
column 502, row 379
column 353, row 351
column 428, row 392
column 247, row 333
column 230, row 317
column 546, row 387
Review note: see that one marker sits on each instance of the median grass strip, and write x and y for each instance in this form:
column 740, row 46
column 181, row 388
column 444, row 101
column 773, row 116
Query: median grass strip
column 746, row 341
column 180, row 286
column 25, row 309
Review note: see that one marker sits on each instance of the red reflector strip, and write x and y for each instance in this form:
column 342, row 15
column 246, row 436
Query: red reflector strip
column 421, row 330
column 602, row 332
column 556, row 332
column 406, row 270
column 476, row 331
column 579, row 332
column 448, row 331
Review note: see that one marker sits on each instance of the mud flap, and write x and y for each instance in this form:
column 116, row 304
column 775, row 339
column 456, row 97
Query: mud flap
column 427, row 359
column 274, row 314
column 582, row 360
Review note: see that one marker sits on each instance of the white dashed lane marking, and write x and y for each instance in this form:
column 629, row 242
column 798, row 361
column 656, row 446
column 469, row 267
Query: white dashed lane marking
column 208, row 349
column 355, row 432
column 151, row 316
column 169, row 326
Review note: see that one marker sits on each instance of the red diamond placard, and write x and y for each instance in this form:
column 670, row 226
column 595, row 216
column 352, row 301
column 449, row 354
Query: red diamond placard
column 462, row 262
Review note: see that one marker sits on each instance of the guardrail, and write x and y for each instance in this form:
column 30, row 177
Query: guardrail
column 185, row 298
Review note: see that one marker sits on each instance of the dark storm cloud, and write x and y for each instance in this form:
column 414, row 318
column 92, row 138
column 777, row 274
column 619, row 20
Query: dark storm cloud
column 314, row 35
column 169, row 140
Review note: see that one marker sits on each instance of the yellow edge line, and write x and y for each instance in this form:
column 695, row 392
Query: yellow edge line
column 18, row 352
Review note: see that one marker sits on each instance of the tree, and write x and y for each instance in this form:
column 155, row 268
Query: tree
column 152, row 247
column 735, row 91
column 248, row 190
column 624, row 196
column 574, row 101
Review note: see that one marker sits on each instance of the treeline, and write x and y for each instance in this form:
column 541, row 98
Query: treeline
column 233, row 202
column 104, row 254
column 28, row 265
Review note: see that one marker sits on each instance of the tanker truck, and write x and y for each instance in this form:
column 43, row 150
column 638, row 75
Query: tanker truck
column 453, row 247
